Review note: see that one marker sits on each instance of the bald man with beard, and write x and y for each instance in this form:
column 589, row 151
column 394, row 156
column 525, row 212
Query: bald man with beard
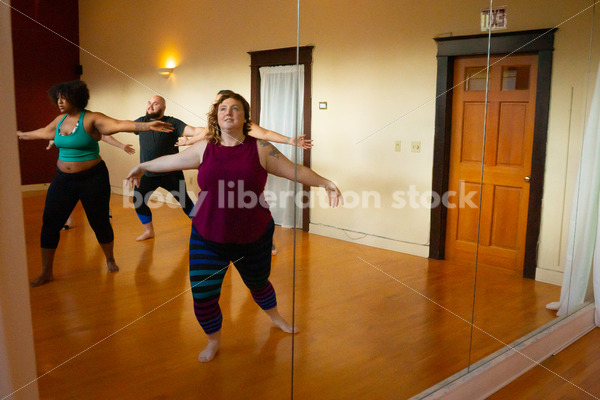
column 154, row 144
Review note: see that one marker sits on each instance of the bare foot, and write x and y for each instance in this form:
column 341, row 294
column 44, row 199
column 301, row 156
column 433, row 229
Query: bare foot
column 273, row 250
column 284, row 325
column 210, row 351
column 40, row 280
column 112, row 266
column 145, row 235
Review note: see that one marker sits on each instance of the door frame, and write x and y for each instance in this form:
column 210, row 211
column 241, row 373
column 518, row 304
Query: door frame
column 540, row 42
column 284, row 56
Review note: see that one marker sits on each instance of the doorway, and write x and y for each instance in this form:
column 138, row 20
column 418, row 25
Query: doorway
column 539, row 43
column 280, row 57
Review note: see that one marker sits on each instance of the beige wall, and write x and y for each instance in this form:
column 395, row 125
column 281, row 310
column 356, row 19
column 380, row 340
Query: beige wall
column 374, row 63
column 137, row 40
column 17, row 357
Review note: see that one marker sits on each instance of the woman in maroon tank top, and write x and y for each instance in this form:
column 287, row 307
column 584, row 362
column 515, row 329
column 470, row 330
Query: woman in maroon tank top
column 232, row 222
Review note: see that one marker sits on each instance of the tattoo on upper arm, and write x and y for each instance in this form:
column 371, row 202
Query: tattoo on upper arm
column 273, row 152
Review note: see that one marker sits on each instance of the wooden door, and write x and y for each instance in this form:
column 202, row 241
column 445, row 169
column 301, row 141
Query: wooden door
column 497, row 228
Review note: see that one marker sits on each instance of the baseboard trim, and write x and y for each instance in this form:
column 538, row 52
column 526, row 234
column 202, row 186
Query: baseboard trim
column 370, row 240
column 549, row 276
column 514, row 361
column 34, row 187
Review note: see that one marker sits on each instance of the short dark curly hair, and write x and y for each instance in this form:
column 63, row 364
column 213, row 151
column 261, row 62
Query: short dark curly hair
column 75, row 92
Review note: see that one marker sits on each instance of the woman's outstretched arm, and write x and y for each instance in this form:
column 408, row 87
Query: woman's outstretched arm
column 190, row 158
column 192, row 135
column 106, row 125
column 46, row 132
column 261, row 133
column 126, row 147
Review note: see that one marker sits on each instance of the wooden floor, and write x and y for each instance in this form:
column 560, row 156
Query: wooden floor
column 374, row 324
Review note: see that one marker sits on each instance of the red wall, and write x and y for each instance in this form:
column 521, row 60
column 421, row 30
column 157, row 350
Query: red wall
column 41, row 60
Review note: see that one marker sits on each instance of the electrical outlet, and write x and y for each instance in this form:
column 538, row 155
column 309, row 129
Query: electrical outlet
column 398, row 146
column 415, row 147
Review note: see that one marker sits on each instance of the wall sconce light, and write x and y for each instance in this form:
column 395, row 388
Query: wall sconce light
column 165, row 72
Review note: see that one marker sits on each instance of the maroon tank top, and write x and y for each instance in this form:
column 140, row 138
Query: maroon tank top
column 231, row 207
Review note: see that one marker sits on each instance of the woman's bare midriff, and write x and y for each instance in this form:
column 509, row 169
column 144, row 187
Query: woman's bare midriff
column 72, row 167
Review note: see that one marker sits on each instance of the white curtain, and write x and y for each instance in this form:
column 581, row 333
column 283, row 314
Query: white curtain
column 582, row 264
column 281, row 110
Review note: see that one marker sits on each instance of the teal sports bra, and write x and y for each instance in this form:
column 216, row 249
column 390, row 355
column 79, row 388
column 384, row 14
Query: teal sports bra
column 76, row 146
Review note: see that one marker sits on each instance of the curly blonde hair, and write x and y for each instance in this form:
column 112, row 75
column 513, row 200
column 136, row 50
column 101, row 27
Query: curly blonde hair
column 214, row 131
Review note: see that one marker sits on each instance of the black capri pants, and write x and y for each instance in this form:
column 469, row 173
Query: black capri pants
column 92, row 187
column 174, row 182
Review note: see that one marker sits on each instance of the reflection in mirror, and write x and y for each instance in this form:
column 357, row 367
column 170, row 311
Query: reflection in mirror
column 134, row 334
column 368, row 297
column 411, row 124
column 516, row 79
column 505, row 194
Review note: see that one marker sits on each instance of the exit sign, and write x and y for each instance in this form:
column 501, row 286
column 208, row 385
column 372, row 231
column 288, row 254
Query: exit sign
column 493, row 19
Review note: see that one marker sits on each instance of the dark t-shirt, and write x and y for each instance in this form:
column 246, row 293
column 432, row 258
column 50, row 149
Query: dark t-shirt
column 155, row 144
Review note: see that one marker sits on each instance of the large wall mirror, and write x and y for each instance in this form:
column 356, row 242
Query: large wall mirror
column 138, row 325
column 454, row 145
column 457, row 153
column 552, row 234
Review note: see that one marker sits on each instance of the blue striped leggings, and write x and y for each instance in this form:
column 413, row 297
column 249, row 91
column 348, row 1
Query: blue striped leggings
column 209, row 262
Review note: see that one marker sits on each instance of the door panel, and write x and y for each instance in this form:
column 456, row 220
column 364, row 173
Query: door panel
column 467, row 216
column 472, row 140
column 511, row 135
column 497, row 229
column 504, row 220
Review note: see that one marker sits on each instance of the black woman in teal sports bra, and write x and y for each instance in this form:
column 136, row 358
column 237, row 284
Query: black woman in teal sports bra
column 81, row 174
